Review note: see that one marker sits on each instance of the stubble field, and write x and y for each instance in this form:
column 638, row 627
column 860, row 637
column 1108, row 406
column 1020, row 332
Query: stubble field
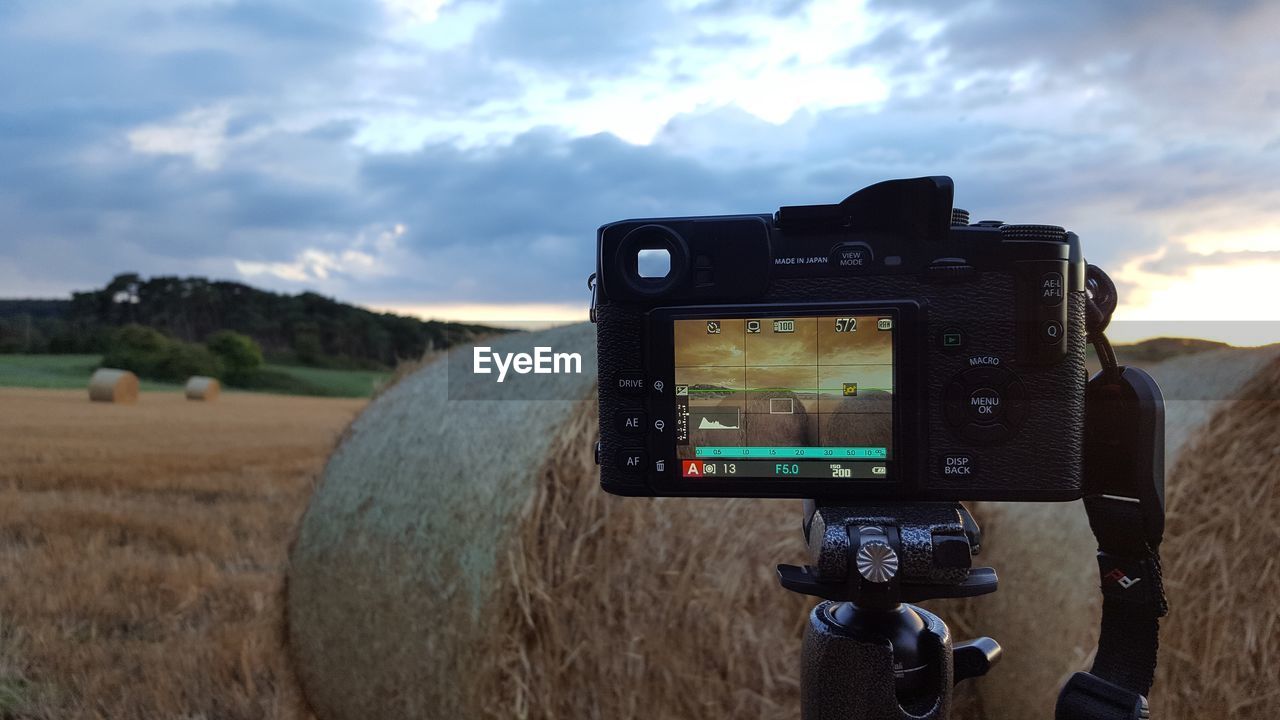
column 142, row 551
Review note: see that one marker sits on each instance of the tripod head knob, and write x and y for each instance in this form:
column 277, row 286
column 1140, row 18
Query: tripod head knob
column 876, row 560
column 901, row 553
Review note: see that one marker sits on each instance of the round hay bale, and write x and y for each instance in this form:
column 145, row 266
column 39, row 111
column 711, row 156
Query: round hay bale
column 1047, row 610
column 113, row 386
column 203, row 388
column 459, row 559
column 1220, row 649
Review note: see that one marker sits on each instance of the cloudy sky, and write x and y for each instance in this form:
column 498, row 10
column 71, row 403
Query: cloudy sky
column 453, row 158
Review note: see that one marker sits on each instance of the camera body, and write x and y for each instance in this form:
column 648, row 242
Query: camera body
column 881, row 348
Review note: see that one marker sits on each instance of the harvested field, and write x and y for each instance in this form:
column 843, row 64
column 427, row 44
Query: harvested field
column 141, row 549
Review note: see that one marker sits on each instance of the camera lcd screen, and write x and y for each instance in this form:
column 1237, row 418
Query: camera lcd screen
column 784, row 397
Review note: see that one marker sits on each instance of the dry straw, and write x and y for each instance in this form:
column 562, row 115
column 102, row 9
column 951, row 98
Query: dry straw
column 202, row 388
column 143, row 552
column 632, row 608
column 113, row 386
column 1220, row 647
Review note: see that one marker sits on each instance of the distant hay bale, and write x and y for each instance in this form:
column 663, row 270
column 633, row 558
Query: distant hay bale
column 777, row 418
column 459, row 559
column 1047, row 610
column 203, row 388
column 113, row 386
column 862, row 420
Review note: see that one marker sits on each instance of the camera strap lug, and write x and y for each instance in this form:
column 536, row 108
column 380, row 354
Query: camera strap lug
column 591, row 285
column 1124, row 499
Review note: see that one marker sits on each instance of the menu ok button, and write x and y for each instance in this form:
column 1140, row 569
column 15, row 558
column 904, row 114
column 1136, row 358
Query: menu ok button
column 984, row 406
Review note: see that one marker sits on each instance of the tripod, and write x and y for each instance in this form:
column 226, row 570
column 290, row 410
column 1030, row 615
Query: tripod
column 867, row 654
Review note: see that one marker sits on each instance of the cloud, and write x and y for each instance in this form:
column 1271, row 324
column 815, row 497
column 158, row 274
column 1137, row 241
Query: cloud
column 608, row 38
column 278, row 141
column 1180, row 260
column 601, row 36
column 199, row 134
column 371, row 254
column 544, row 193
column 1180, row 66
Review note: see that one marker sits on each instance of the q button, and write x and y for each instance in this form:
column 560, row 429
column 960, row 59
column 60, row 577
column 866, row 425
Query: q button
column 1051, row 332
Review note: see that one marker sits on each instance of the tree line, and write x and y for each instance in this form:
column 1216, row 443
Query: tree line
column 303, row 329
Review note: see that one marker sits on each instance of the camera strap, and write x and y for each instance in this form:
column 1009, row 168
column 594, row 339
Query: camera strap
column 1124, row 499
column 1133, row 602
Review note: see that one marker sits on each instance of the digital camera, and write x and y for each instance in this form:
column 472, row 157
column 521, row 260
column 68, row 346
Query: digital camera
column 881, row 348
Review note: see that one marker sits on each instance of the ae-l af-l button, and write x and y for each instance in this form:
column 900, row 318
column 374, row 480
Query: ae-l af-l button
column 1051, row 289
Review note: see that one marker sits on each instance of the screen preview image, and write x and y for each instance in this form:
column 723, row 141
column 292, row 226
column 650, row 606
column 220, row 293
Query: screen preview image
column 781, row 397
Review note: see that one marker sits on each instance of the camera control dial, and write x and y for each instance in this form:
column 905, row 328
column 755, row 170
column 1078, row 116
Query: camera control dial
column 1044, row 233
